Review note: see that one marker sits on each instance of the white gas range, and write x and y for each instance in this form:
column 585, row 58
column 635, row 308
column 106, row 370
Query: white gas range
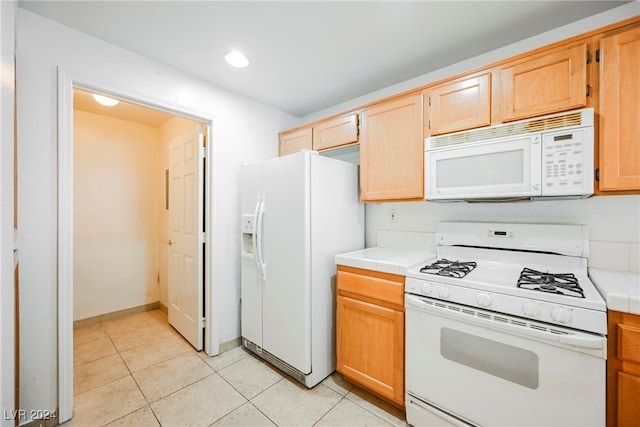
column 504, row 327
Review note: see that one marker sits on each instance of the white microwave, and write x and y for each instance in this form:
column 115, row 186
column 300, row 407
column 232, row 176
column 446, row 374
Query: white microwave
column 545, row 157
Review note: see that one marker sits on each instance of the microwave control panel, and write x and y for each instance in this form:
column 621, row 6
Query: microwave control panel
column 567, row 162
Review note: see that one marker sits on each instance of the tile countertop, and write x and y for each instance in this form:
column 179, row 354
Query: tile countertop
column 621, row 290
column 385, row 260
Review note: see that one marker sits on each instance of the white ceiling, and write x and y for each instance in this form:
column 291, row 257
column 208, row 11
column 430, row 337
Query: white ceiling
column 307, row 56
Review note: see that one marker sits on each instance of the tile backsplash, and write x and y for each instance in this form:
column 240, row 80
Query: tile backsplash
column 606, row 255
column 613, row 224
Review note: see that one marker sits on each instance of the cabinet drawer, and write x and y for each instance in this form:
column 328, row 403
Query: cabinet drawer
column 379, row 288
column 629, row 343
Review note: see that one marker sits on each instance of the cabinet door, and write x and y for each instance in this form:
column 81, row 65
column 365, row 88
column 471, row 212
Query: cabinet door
column 460, row 105
column 336, row 132
column 392, row 150
column 628, row 404
column 546, row 83
column 370, row 346
column 619, row 159
column 294, row 141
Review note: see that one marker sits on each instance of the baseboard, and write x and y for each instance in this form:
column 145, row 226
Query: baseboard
column 163, row 308
column 90, row 321
column 229, row 345
column 51, row 421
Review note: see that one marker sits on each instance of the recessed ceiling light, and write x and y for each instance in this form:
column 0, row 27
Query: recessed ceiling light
column 236, row 59
column 105, row 100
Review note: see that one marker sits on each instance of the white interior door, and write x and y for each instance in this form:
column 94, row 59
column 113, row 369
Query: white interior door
column 185, row 289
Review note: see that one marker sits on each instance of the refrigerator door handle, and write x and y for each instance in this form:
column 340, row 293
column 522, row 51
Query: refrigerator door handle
column 255, row 234
column 258, row 240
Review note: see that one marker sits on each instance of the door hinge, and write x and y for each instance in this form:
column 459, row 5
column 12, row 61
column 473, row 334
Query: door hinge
column 203, row 322
column 203, row 152
column 598, row 174
column 203, row 236
column 588, row 90
column 357, row 125
column 588, row 57
column 429, row 101
column 597, row 55
column 429, row 124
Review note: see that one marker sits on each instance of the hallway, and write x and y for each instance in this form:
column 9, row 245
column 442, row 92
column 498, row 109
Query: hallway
column 137, row 371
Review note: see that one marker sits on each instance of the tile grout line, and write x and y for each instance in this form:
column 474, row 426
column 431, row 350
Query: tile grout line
column 149, row 404
column 246, row 398
column 330, row 409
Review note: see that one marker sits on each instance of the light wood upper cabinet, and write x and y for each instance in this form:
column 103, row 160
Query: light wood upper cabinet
column 336, row 132
column 458, row 105
column 392, row 150
column 370, row 331
column 619, row 112
column 296, row 140
column 545, row 83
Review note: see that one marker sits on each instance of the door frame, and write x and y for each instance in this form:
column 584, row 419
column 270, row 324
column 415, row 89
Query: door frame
column 67, row 82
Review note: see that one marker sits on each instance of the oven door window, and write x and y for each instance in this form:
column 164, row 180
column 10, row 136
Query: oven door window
column 495, row 358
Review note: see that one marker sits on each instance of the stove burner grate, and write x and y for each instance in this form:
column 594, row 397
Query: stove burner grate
column 444, row 267
column 561, row 284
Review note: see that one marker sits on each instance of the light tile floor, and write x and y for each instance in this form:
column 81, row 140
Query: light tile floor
column 138, row 371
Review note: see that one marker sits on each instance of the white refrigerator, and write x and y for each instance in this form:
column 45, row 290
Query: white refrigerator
column 297, row 212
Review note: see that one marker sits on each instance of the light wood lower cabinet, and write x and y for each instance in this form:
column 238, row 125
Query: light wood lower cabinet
column 623, row 370
column 370, row 331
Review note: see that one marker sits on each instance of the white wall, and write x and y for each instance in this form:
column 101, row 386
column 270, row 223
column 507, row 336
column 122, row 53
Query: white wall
column 244, row 131
column 117, row 188
column 7, row 96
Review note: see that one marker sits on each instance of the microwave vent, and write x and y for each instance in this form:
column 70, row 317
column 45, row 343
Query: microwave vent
column 557, row 121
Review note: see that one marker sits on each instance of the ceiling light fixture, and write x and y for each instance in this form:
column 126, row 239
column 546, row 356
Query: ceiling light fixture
column 104, row 100
column 236, row 59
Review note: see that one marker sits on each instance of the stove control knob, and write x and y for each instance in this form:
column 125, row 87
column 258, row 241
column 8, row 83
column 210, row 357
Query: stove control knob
column 531, row 309
column 561, row 314
column 444, row 291
column 483, row 299
column 426, row 288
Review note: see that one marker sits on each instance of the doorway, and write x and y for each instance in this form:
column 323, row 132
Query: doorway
column 122, row 213
column 67, row 84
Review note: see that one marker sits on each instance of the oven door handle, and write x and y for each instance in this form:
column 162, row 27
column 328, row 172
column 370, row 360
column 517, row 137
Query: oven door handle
column 577, row 340
column 582, row 341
